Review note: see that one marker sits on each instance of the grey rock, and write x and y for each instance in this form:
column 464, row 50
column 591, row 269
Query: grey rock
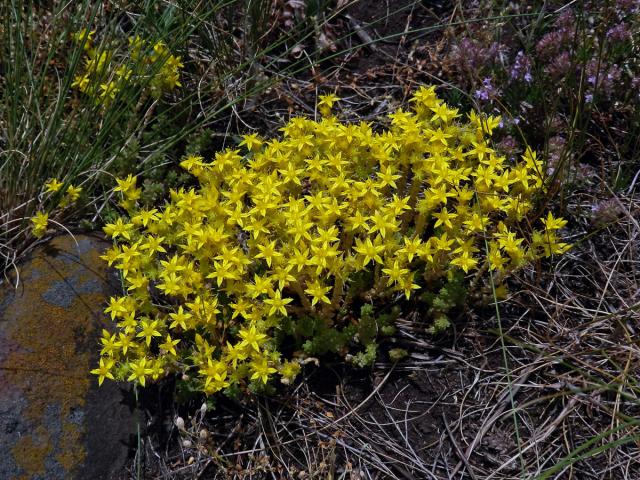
column 55, row 422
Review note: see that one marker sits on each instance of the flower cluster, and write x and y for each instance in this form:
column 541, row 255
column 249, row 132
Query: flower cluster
column 150, row 67
column 70, row 194
column 487, row 91
column 293, row 227
column 521, row 68
column 599, row 46
column 586, row 54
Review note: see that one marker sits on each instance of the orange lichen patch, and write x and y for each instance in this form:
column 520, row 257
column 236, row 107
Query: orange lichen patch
column 37, row 447
column 70, row 458
column 52, row 324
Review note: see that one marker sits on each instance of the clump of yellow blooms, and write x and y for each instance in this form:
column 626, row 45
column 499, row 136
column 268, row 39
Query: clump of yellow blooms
column 40, row 221
column 151, row 67
column 280, row 228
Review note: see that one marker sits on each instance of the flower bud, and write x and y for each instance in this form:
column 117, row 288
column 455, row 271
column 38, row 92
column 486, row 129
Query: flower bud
column 179, row 423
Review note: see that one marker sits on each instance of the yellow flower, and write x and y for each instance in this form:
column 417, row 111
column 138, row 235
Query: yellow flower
column 465, row 262
column 328, row 100
column 223, row 271
column 282, row 274
column 180, row 318
column 53, row 186
column 277, row 304
column 84, row 36
column 215, row 374
column 139, row 371
column 411, row 247
column 192, row 163
column 81, row 82
column 551, row 223
column 169, row 345
column 40, row 222
column 268, row 252
column 172, row 285
column 108, row 91
column 443, row 217
column 119, row 229
column 149, row 330
column 439, row 136
column 118, row 307
column 125, row 341
column 152, row 245
column 235, row 354
column 496, row 260
column 251, row 338
column 318, row 292
column 125, row 184
column 261, row 369
column 358, row 221
column 104, row 369
column 260, row 286
column 157, row 368
column 369, row 250
column 289, row 371
column 395, row 273
column 331, row 214
column 109, row 343
column 407, row 286
column 252, row 141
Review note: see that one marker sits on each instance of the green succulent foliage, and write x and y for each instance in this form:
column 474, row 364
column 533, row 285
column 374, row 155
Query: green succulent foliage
column 367, row 326
column 326, row 340
column 397, row 354
column 316, row 337
column 442, row 301
column 367, row 357
column 261, row 388
column 371, row 327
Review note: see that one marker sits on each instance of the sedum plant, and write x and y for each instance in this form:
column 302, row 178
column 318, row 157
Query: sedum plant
column 286, row 248
column 145, row 69
column 64, row 194
column 150, row 67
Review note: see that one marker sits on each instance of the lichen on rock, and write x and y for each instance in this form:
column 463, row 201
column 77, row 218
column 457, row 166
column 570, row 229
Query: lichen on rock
column 48, row 341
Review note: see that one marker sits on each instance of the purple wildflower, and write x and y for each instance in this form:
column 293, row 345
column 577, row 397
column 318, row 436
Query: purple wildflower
column 472, row 55
column 566, row 20
column 619, row 33
column 509, row 147
column 606, row 211
column 605, row 78
column 560, row 66
column 521, row 68
column 549, row 45
column 486, row 91
column 557, row 40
